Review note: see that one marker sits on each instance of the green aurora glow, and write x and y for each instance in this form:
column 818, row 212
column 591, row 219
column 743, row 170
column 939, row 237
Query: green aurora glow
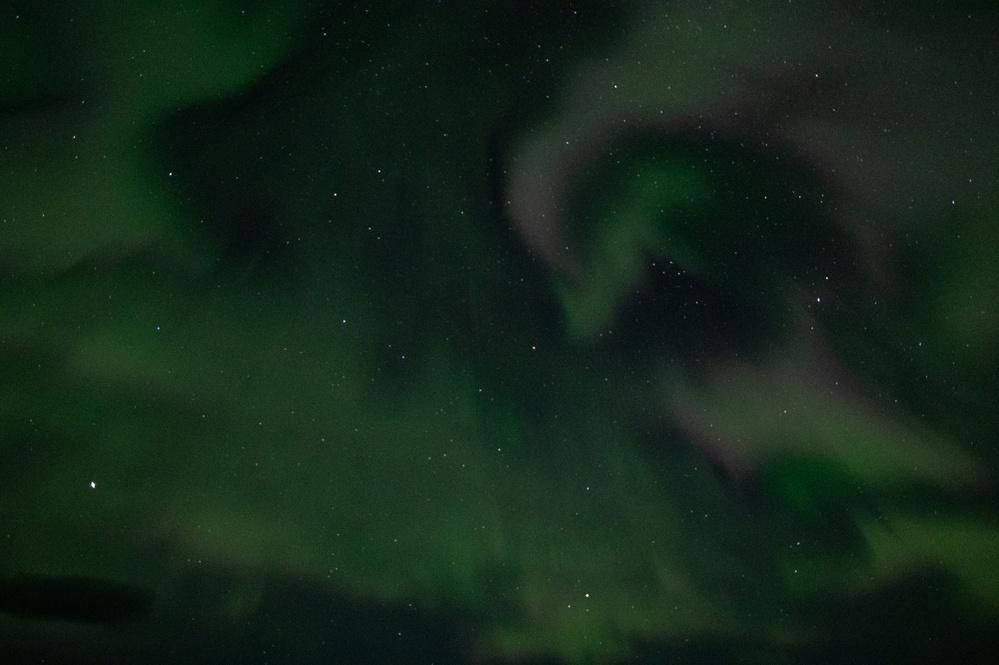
column 377, row 348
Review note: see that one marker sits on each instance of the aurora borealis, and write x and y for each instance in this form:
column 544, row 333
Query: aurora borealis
column 486, row 333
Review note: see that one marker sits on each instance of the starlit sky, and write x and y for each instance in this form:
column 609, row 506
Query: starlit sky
column 493, row 332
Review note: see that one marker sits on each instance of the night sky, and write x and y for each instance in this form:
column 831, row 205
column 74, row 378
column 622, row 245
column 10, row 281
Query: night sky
column 494, row 332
